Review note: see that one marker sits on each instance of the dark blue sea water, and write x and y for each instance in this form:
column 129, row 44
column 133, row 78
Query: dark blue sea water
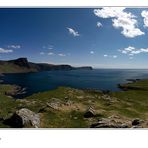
column 103, row 79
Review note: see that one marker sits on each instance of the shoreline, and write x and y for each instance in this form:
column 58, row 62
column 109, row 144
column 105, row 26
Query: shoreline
column 19, row 90
column 69, row 107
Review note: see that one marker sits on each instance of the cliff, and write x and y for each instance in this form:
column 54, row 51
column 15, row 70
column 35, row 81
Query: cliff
column 22, row 65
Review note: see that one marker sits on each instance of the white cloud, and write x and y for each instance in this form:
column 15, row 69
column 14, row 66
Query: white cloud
column 50, row 53
column 133, row 51
column 99, row 25
column 61, row 55
column 114, row 56
column 144, row 14
column 92, row 52
column 2, row 50
column 109, row 12
column 42, row 53
column 73, row 32
column 121, row 19
column 50, row 47
column 105, row 55
column 14, row 46
column 110, row 56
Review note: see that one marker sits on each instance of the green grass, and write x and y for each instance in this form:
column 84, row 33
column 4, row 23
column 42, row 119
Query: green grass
column 7, row 103
column 142, row 85
column 129, row 104
column 73, row 119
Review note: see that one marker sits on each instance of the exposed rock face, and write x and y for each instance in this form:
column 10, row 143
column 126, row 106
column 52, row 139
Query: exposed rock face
column 138, row 123
column 24, row 118
column 111, row 122
column 54, row 103
column 89, row 113
column 15, row 91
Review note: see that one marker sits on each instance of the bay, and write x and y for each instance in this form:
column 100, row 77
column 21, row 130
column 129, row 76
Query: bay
column 102, row 79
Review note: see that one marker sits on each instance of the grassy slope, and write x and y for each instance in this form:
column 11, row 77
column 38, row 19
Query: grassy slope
column 127, row 104
column 7, row 103
column 12, row 68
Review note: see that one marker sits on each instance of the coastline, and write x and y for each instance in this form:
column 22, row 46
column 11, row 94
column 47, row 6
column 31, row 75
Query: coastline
column 20, row 90
column 72, row 107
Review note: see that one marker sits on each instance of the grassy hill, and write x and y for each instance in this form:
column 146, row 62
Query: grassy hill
column 66, row 107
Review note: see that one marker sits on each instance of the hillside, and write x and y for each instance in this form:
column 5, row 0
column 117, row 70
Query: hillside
column 22, row 65
column 67, row 107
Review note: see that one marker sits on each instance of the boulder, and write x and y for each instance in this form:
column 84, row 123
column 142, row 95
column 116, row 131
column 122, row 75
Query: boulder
column 111, row 122
column 90, row 112
column 54, row 103
column 136, row 122
column 24, row 118
column 68, row 103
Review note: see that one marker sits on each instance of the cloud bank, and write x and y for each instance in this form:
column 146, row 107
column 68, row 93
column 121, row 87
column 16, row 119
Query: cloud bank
column 2, row 50
column 133, row 51
column 144, row 14
column 121, row 19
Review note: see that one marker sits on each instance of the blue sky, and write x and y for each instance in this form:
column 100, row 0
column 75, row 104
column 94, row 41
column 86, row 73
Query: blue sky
column 99, row 37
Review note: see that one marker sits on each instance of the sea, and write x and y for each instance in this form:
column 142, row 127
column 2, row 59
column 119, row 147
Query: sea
column 100, row 79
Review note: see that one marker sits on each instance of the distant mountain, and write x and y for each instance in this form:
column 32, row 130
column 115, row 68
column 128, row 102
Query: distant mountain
column 22, row 65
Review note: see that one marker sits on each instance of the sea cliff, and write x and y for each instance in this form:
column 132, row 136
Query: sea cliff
column 22, row 65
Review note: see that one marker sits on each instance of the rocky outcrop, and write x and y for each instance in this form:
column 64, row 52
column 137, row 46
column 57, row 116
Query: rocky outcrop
column 17, row 90
column 138, row 123
column 24, row 118
column 54, row 103
column 111, row 122
column 90, row 112
column 119, row 122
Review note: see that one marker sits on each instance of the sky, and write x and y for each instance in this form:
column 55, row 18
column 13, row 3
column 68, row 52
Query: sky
column 109, row 37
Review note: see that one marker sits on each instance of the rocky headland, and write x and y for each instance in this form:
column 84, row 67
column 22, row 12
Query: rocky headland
column 22, row 65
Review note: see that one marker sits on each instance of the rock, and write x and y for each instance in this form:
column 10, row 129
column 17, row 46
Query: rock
column 80, row 97
column 111, row 123
column 136, row 122
column 89, row 113
column 55, row 103
column 68, row 103
column 24, row 118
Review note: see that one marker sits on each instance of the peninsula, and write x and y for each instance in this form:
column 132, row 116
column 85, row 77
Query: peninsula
column 22, row 65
